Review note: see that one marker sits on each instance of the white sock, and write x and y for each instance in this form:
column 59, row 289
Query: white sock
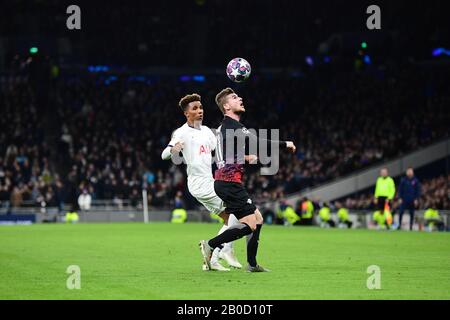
column 232, row 220
column 226, row 246
column 215, row 256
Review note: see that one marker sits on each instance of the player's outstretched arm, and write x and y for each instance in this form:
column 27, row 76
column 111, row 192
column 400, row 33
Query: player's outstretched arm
column 166, row 155
column 291, row 146
column 287, row 144
column 251, row 158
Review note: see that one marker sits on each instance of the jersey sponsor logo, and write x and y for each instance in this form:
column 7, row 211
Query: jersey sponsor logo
column 204, row 149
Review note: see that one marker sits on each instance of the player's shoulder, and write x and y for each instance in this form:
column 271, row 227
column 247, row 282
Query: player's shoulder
column 180, row 130
column 230, row 123
column 208, row 130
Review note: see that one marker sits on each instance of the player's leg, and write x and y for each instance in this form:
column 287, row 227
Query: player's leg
column 250, row 221
column 231, row 194
column 227, row 252
column 224, row 251
column 214, row 263
column 211, row 255
column 253, row 242
column 231, row 234
column 249, row 225
column 202, row 188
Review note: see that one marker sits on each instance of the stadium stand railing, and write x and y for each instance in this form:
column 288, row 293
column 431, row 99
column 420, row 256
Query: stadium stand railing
column 104, row 211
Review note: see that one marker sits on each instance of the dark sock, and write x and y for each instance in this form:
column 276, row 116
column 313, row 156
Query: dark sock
column 252, row 245
column 233, row 233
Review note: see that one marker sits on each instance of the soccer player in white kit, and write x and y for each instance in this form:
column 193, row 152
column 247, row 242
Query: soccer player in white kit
column 196, row 143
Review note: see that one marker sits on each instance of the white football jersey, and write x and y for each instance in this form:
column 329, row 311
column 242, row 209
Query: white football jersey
column 197, row 147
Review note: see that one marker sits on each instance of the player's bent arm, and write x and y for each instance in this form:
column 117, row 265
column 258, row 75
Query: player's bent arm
column 169, row 150
column 166, row 154
column 254, row 139
column 174, row 145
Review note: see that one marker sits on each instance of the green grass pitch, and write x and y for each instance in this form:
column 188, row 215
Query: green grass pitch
column 162, row 261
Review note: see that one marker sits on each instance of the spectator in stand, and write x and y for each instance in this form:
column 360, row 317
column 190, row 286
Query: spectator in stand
column 85, row 200
column 109, row 144
column 408, row 194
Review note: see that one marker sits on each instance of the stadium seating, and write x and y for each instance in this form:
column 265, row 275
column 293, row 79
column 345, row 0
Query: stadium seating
column 106, row 132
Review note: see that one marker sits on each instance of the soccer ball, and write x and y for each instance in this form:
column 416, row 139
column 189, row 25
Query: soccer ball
column 238, row 70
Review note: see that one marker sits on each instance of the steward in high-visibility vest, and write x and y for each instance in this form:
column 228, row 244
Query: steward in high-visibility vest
column 325, row 216
column 289, row 215
column 383, row 220
column 344, row 217
column 433, row 218
column 179, row 215
column 306, row 210
column 72, row 217
column 385, row 188
column 384, row 191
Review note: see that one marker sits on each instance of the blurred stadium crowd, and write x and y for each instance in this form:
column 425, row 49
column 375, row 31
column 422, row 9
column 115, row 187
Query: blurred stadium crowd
column 105, row 135
column 67, row 130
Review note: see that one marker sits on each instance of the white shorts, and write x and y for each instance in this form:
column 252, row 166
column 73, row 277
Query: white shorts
column 202, row 188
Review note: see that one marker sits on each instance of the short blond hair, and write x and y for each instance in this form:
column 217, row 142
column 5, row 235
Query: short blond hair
column 221, row 98
column 184, row 102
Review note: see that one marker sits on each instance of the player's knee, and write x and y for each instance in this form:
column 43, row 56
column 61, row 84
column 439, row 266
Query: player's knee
column 259, row 217
column 260, row 221
column 232, row 220
column 250, row 223
column 249, row 229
